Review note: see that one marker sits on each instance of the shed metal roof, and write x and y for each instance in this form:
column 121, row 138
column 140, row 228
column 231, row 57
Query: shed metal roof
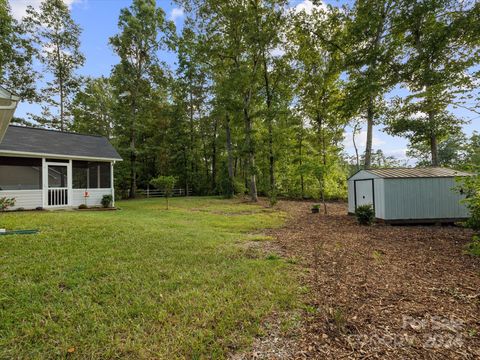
column 432, row 172
column 28, row 140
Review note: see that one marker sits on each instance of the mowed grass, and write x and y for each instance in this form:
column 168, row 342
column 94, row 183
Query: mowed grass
column 142, row 282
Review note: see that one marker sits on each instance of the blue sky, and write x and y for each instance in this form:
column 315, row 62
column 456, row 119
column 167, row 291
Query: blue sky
column 98, row 19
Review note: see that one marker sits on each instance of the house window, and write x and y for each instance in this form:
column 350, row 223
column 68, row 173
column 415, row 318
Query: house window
column 91, row 175
column 20, row 173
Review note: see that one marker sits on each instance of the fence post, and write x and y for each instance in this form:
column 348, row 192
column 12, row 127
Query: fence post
column 148, row 191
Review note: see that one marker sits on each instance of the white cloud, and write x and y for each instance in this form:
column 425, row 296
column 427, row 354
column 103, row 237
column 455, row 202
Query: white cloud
column 361, row 140
column 176, row 13
column 308, row 6
column 19, row 7
column 397, row 153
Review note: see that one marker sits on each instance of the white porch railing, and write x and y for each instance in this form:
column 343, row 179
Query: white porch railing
column 57, row 196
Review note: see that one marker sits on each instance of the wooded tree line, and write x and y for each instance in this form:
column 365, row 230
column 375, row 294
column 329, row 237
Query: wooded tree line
column 262, row 95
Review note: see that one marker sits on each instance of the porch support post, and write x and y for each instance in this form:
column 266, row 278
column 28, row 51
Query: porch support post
column 44, row 183
column 69, row 183
column 112, row 186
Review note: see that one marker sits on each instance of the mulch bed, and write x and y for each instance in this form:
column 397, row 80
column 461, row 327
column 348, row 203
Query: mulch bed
column 379, row 292
column 98, row 209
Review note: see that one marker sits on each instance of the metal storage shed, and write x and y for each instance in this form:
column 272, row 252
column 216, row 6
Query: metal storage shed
column 408, row 195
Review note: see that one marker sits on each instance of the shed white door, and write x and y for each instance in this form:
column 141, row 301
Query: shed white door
column 364, row 192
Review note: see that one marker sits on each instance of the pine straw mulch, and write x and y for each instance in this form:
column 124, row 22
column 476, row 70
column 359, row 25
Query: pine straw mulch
column 379, row 292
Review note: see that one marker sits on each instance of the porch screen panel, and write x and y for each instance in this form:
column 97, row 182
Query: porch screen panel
column 105, row 175
column 20, row 173
column 91, row 175
column 80, row 174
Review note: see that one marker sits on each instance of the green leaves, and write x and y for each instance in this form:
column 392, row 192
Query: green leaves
column 56, row 38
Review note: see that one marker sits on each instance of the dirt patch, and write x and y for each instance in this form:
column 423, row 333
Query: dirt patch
column 380, row 292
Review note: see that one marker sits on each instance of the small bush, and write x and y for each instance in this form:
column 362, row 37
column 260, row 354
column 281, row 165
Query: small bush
column 272, row 197
column 239, row 187
column 82, row 206
column 473, row 248
column 6, row 203
column 365, row 214
column 470, row 187
column 316, row 207
column 107, row 201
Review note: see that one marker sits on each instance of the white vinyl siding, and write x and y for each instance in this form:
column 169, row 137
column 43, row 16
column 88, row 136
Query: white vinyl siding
column 27, row 199
column 94, row 198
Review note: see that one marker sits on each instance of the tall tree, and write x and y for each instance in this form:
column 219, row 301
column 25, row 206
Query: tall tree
column 436, row 68
column 57, row 40
column 371, row 46
column 92, row 108
column 142, row 34
column 318, row 66
column 16, row 52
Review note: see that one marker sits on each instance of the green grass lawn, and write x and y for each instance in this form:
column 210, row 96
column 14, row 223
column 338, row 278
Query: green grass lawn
column 142, row 282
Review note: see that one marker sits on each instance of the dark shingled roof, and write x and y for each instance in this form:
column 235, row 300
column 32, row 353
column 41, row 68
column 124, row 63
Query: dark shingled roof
column 42, row 141
column 432, row 172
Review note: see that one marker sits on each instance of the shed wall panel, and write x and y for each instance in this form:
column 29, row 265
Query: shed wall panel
column 351, row 197
column 379, row 186
column 423, row 198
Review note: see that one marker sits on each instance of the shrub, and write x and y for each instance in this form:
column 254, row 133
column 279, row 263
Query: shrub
column 272, row 197
column 6, row 203
column 316, row 207
column 470, row 187
column 239, row 187
column 82, row 206
column 473, row 248
column 107, row 201
column 365, row 214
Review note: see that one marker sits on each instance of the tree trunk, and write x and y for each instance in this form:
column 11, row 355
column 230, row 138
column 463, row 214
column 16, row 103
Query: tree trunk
column 61, row 90
column 368, row 147
column 300, row 154
column 133, row 165
column 357, row 157
column 324, row 160
column 252, row 181
column 229, row 157
column 214, row 155
column 62, row 110
column 133, row 155
column 251, row 165
column 270, row 125
column 433, row 140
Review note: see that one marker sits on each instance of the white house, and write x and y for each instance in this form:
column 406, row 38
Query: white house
column 409, row 195
column 52, row 169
